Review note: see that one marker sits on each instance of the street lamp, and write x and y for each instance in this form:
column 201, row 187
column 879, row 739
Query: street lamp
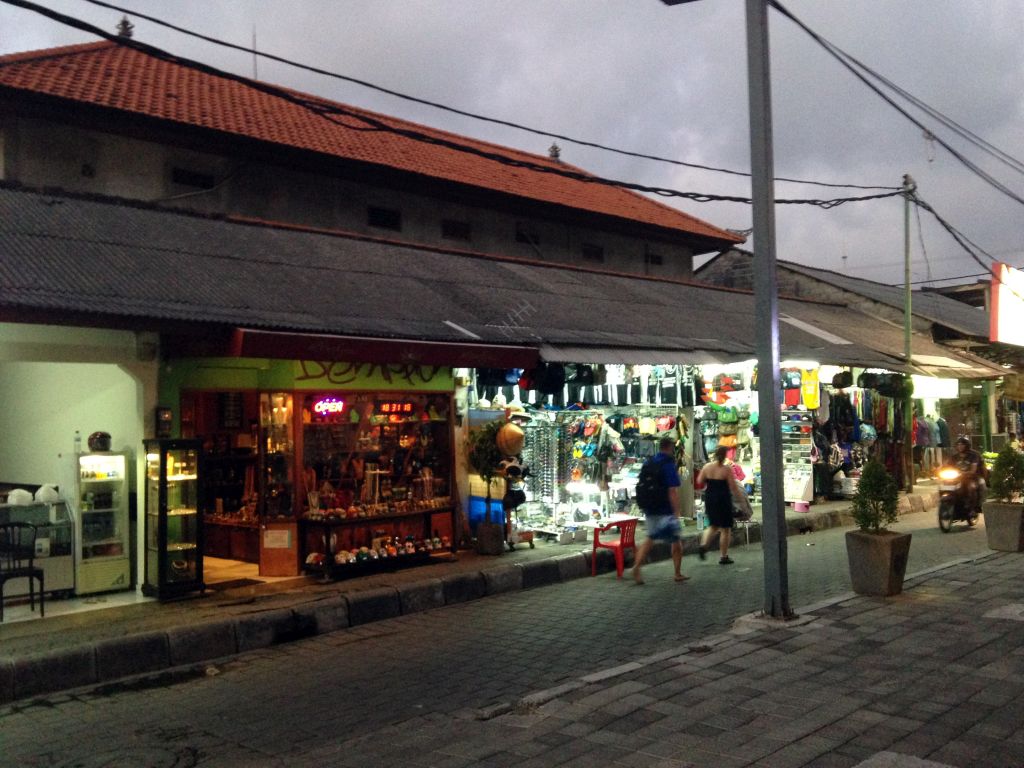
column 766, row 309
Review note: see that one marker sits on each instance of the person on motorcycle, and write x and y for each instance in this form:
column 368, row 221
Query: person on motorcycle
column 972, row 467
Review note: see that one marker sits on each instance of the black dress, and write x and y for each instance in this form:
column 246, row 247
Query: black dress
column 718, row 503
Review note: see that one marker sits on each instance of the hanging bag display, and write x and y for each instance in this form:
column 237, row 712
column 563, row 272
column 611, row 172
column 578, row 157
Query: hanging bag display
column 743, row 427
column 843, row 380
column 729, row 415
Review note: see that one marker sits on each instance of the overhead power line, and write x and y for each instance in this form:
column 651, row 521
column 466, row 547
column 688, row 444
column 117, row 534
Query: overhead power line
column 329, row 111
column 947, row 279
column 973, row 249
column 455, row 110
column 862, row 72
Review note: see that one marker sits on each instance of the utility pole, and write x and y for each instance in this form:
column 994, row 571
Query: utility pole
column 766, row 308
column 766, row 311
column 908, row 415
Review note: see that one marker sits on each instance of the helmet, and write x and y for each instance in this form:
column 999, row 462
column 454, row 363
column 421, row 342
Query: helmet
column 964, row 441
column 99, row 441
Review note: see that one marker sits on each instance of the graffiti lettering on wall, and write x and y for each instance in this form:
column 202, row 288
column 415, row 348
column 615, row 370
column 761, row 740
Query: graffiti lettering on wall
column 336, row 373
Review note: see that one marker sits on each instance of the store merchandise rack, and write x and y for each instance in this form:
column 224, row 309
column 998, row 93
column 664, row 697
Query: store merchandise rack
column 797, row 441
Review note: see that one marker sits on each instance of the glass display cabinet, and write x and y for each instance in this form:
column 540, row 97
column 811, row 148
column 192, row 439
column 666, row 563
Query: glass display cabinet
column 279, row 554
column 174, row 527
column 278, row 456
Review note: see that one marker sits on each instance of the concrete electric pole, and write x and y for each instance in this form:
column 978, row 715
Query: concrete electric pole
column 766, row 301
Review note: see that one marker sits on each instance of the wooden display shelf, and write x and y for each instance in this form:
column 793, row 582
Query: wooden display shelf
column 370, row 519
column 334, row 572
column 231, row 540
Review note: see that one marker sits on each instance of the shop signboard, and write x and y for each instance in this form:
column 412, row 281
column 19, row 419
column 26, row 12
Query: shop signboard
column 1007, row 315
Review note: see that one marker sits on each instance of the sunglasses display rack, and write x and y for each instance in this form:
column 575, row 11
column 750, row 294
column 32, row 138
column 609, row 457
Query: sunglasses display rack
column 798, row 469
column 539, row 454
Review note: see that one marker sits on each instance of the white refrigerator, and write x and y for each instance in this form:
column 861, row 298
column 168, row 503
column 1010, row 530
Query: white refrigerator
column 99, row 506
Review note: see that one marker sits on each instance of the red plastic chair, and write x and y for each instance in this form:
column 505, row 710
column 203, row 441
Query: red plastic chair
column 626, row 540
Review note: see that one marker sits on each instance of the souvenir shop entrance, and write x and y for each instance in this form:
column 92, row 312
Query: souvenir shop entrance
column 324, row 468
column 834, row 419
column 587, row 438
column 585, row 441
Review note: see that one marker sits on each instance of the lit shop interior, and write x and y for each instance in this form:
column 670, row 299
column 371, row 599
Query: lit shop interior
column 585, row 442
column 266, row 469
column 330, row 469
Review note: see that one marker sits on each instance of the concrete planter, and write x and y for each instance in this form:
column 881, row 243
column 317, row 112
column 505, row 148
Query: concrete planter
column 878, row 561
column 490, row 538
column 1004, row 526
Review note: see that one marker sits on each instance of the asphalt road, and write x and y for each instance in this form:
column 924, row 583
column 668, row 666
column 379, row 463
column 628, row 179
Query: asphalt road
column 270, row 707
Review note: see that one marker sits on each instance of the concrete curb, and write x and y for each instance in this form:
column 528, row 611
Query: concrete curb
column 6, row 680
column 149, row 653
column 58, row 671
column 373, row 605
column 462, row 587
column 421, row 596
column 132, row 655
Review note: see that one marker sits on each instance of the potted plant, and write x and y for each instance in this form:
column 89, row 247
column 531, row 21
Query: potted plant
column 1004, row 512
column 484, row 457
column 877, row 556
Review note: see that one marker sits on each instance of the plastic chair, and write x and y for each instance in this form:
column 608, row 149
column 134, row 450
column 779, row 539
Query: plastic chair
column 626, row 540
column 17, row 556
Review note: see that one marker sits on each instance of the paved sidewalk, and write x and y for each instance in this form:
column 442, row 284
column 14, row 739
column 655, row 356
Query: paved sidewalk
column 82, row 649
column 933, row 677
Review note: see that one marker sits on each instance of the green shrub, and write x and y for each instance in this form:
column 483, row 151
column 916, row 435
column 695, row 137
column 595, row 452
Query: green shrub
column 1006, row 480
column 874, row 503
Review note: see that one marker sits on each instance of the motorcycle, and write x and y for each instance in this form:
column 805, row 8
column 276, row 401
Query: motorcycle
column 957, row 499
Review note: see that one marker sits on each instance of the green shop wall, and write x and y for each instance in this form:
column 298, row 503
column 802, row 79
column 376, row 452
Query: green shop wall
column 287, row 375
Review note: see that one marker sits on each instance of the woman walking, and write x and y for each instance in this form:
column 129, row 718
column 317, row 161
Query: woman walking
column 720, row 488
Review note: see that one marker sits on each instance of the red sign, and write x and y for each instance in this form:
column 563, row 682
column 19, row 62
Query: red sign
column 397, row 408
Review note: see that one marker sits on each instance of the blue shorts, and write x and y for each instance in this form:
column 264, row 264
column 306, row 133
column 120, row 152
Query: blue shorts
column 663, row 527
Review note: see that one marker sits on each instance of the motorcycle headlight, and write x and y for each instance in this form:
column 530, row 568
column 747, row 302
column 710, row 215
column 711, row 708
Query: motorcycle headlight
column 949, row 474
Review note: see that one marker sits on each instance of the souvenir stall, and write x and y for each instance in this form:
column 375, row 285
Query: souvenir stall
column 1010, row 407
column 728, row 418
column 587, row 432
column 931, row 434
column 329, row 468
column 865, row 421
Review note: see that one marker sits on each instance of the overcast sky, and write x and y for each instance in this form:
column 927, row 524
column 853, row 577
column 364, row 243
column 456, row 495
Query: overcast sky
column 668, row 81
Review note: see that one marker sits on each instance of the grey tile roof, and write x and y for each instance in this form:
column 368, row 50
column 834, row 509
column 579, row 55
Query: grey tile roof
column 126, row 262
column 935, row 307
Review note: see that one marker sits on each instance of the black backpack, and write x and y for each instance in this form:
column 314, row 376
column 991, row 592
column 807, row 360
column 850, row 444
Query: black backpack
column 651, row 491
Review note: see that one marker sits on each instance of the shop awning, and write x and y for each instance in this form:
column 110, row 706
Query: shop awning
column 626, row 356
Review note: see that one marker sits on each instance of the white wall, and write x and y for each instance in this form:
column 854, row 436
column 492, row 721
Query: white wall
column 46, row 402
column 54, row 380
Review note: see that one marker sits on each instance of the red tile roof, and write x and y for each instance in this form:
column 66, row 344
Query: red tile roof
column 113, row 76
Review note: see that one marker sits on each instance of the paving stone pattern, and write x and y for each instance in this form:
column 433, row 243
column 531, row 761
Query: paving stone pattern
column 598, row 671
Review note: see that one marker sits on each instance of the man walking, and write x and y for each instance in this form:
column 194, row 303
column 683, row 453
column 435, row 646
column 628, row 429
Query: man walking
column 657, row 494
